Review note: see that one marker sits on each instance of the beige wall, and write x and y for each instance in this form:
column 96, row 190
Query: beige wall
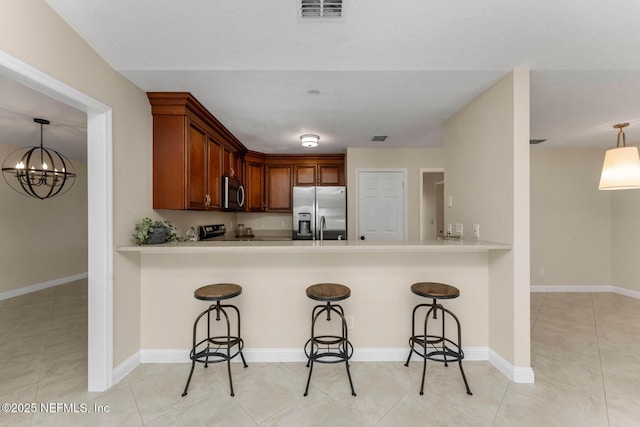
column 412, row 159
column 42, row 240
column 571, row 235
column 32, row 32
column 276, row 312
column 625, row 232
column 487, row 175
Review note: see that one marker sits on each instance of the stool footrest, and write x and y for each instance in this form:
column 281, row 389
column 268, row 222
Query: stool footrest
column 338, row 353
column 218, row 354
column 451, row 350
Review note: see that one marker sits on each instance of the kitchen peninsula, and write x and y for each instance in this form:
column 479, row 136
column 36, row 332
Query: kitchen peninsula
column 274, row 276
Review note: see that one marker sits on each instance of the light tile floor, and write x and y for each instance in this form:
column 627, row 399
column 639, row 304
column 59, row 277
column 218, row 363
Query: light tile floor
column 585, row 354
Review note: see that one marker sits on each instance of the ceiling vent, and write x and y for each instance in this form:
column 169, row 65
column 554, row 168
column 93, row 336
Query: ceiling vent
column 536, row 141
column 321, row 10
column 379, row 138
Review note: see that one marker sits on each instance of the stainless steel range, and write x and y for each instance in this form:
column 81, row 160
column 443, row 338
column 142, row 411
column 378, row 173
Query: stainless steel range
column 211, row 232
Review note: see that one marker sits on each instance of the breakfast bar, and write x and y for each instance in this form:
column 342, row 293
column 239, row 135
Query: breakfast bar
column 275, row 310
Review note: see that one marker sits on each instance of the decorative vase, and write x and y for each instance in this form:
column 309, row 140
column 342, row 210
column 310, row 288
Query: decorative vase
column 158, row 235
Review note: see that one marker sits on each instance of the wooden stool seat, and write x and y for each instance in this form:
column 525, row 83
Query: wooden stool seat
column 435, row 290
column 218, row 291
column 328, row 292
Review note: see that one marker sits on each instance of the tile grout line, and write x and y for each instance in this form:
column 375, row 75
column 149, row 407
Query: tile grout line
column 604, row 387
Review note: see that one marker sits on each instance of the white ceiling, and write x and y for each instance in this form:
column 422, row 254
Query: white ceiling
column 396, row 68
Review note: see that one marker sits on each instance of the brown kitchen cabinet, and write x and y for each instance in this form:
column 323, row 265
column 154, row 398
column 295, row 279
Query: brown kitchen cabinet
column 189, row 147
column 322, row 173
column 181, row 154
column 278, row 188
column 254, row 186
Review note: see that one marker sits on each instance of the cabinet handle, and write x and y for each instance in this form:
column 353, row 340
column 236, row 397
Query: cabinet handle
column 207, row 200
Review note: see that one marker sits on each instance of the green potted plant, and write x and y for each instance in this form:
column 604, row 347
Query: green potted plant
column 152, row 232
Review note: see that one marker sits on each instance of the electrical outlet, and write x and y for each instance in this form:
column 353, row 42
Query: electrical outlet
column 449, row 229
column 541, row 271
column 459, row 229
column 476, row 231
column 351, row 321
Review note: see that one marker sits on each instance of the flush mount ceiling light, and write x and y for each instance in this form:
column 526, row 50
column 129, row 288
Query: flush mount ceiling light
column 621, row 167
column 309, row 140
column 38, row 172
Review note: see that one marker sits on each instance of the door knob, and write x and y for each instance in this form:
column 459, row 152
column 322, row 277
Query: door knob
column 361, row 237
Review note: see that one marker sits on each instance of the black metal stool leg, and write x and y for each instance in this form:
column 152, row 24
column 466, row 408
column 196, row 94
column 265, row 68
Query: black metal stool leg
column 310, row 365
column 186, row 387
column 464, row 378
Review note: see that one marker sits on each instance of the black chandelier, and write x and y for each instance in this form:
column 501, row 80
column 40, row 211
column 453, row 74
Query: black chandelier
column 38, row 172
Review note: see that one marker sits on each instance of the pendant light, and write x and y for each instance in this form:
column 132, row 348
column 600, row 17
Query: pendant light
column 621, row 167
column 38, row 172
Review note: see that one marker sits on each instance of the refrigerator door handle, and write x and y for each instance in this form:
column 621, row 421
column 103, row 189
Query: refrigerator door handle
column 323, row 226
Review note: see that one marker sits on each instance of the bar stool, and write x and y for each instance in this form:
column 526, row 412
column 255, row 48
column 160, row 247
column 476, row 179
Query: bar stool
column 436, row 347
column 328, row 348
column 214, row 349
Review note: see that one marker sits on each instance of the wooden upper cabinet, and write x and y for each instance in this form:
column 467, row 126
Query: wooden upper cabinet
column 215, row 173
column 310, row 171
column 192, row 150
column 278, row 188
column 189, row 145
column 198, row 182
column 304, row 175
column 254, row 186
column 331, row 174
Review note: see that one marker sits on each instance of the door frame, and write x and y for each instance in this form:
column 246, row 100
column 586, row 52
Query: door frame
column 424, row 171
column 405, row 217
column 99, row 207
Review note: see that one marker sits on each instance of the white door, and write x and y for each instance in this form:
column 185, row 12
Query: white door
column 381, row 205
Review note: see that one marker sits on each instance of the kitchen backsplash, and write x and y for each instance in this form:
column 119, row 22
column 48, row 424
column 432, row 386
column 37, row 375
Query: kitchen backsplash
column 256, row 220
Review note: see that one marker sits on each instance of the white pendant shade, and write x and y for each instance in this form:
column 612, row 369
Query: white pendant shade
column 621, row 169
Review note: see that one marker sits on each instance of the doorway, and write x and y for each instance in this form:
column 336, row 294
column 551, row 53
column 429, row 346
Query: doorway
column 100, row 212
column 381, row 204
column 431, row 204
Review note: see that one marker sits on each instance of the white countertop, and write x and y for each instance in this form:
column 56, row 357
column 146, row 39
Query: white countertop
column 328, row 246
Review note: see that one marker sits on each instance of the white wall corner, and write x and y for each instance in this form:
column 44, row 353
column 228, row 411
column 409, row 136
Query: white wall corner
column 517, row 374
column 126, row 367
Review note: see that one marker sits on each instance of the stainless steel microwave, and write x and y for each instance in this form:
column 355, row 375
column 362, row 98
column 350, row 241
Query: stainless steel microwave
column 232, row 194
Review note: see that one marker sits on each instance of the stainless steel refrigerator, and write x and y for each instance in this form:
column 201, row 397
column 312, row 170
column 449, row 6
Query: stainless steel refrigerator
column 319, row 213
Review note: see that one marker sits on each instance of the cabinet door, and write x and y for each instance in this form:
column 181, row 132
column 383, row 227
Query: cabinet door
column 197, row 173
column 304, row 175
column 330, row 174
column 254, row 187
column 215, row 174
column 278, row 188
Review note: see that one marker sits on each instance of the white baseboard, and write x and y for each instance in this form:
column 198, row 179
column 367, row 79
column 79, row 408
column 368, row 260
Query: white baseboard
column 125, row 368
column 271, row 355
column 514, row 373
column 40, row 286
column 279, row 355
column 586, row 288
